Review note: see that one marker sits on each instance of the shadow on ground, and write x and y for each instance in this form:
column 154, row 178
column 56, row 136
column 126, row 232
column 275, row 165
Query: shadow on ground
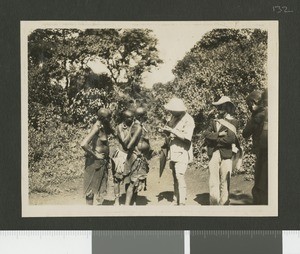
column 165, row 195
column 202, row 199
column 236, row 198
column 140, row 200
column 240, row 198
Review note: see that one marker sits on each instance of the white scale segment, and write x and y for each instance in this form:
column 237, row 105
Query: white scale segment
column 46, row 242
column 291, row 242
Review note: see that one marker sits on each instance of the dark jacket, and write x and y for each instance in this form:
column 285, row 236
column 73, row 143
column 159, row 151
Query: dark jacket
column 254, row 128
column 223, row 144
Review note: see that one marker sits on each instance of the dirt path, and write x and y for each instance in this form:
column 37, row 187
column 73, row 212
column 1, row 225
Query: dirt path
column 159, row 190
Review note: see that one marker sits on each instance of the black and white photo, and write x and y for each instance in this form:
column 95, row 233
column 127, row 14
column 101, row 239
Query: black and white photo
column 149, row 118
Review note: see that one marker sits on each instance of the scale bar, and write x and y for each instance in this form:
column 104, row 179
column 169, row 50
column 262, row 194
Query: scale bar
column 149, row 242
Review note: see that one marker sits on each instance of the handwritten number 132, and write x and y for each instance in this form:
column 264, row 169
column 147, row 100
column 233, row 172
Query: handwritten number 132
column 281, row 9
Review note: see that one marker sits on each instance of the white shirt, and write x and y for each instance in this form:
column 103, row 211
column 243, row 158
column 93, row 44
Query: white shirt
column 180, row 151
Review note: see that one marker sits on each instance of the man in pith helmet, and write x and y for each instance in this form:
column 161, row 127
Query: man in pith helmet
column 180, row 129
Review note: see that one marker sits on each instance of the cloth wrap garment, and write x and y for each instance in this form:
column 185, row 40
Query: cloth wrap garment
column 95, row 177
column 137, row 159
column 96, row 169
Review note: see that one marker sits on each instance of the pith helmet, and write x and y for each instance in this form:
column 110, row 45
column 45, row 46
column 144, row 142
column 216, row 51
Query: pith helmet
column 176, row 104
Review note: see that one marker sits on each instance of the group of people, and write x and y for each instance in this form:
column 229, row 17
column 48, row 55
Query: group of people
column 224, row 148
column 129, row 163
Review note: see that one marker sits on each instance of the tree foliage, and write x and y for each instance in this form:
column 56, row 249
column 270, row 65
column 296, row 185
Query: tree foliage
column 127, row 53
column 65, row 94
column 228, row 62
column 60, row 77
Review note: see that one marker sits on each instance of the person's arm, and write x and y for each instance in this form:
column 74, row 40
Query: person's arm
column 177, row 133
column 124, row 139
column 229, row 137
column 185, row 134
column 253, row 124
column 248, row 130
column 85, row 142
column 135, row 137
column 210, row 134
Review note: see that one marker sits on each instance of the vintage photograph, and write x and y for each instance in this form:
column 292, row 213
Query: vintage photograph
column 149, row 118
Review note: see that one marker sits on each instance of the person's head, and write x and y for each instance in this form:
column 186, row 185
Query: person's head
column 253, row 100
column 141, row 114
column 224, row 106
column 128, row 117
column 104, row 115
column 176, row 107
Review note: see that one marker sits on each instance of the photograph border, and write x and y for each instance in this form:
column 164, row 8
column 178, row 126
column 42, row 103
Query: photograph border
column 270, row 210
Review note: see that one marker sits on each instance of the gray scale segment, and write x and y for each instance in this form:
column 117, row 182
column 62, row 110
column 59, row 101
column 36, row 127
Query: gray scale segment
column 236, row 242
column 138, row 242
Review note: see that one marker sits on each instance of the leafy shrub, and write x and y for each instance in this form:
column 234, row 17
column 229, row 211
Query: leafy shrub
column 43, row 90
column 228, row 62
column 87, row 102
column 41, row 117
column 54, row 157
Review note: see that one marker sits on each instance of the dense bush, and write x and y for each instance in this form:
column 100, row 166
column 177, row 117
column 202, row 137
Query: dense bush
column 41, row 117
column 228, row 62
column 54, row 157
column 46, row 100
column 86, row 103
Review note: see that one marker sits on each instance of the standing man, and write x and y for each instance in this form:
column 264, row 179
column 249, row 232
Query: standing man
column 222, row 142
column 180, row 130
column 257, row 128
